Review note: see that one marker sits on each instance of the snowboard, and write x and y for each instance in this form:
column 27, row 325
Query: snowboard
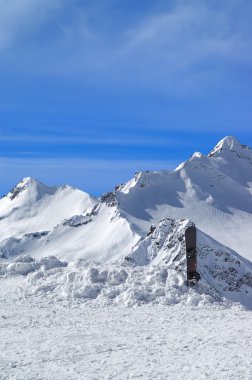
column 191, row 256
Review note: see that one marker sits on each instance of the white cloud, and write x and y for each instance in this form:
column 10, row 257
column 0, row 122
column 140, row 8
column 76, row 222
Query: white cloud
column 132, row 140
column 171, row 47
column 19, row 18
column 169, row 50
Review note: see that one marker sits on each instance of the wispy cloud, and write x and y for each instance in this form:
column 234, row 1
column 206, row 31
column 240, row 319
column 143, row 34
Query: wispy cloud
column 82, row 140
column 169, row 49
column 188, row 33
column 176, row 47
column 20, row 19
column 85, row 164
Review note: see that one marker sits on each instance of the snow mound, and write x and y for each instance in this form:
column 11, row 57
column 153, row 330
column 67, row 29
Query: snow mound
column 119, row 284
column 24, row 265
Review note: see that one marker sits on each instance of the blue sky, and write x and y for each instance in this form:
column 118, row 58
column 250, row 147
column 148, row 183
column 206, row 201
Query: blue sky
column 92, row 91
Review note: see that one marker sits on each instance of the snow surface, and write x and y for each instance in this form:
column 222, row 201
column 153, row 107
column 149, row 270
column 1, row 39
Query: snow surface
column 213, row 191
column 44, row 339
column 33, row 207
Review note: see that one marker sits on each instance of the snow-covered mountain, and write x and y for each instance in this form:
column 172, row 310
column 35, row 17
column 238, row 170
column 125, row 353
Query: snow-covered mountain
column 143, row 221
column 213, row 191
column 39, row 220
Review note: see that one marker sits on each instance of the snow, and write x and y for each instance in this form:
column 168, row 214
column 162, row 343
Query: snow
column 154, row 272
column 44, row 339
column 96, row 288
column 26, row 264
column 119, row 285
column 34, row 207
column 213, row 191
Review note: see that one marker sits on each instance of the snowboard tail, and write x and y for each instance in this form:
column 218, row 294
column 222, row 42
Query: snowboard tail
column 191, row 256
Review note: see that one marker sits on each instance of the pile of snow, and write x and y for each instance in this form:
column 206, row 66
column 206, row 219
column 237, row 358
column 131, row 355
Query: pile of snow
column 24, row 265
column 119, row 284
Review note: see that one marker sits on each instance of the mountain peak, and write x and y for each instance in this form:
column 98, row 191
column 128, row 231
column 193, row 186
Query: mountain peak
column 227, row 144
column 26, row 181
column 29, row 183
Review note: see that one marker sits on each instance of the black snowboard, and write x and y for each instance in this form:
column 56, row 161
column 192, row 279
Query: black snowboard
column 191, row 256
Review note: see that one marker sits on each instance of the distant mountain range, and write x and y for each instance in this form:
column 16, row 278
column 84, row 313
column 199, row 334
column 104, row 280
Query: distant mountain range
column 213, row 191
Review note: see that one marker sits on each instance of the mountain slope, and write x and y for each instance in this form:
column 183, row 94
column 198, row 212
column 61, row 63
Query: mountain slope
column 213, row 191
column 32, row 207
column 154, row 271
column 66, row 222
column 222, row 268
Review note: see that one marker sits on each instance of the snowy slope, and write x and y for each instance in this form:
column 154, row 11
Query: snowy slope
column 66, row 222
column 213, row 191
column 34, row 207
column 223, row 269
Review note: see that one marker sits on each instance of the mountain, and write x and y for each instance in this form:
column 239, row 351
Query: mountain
column 63, row 221
column 142, row 222
column 213, row 191
column 31, row 210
